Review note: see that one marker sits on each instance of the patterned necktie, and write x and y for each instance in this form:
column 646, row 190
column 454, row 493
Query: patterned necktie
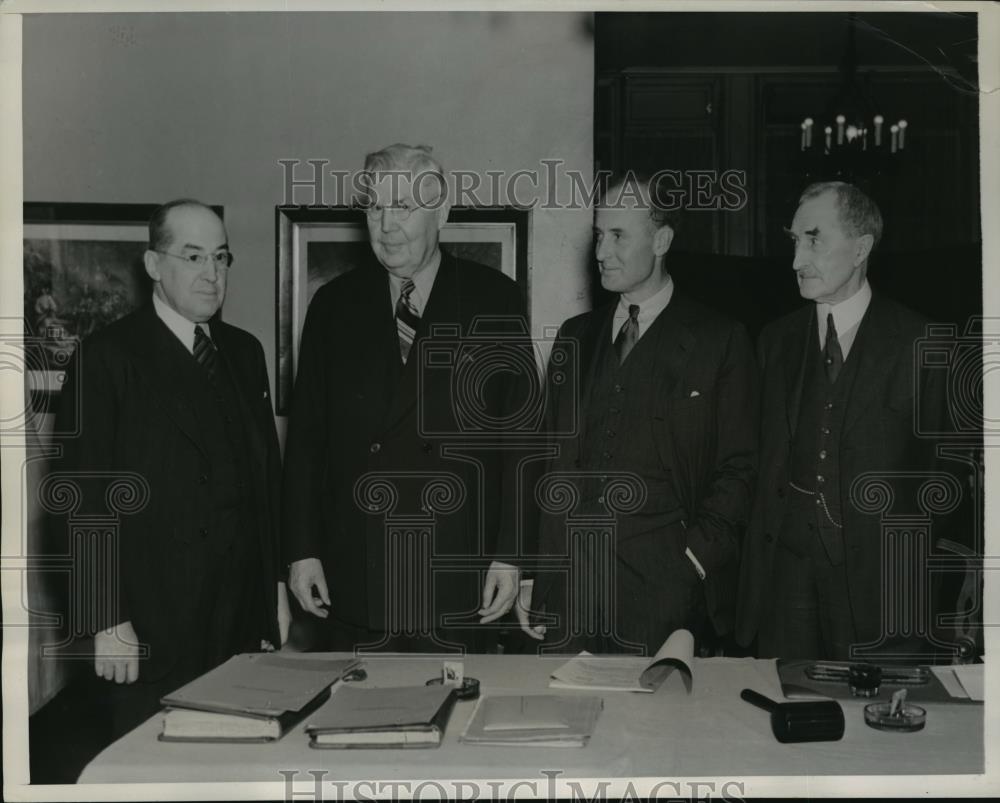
column 205, row 351
column 833, row 356
column 407, row 320
column 628, row 335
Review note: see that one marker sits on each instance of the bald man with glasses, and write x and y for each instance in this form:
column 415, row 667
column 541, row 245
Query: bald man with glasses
column 179, row 400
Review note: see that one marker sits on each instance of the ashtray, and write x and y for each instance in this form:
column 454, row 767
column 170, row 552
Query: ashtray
column 467, row 690
column 907, row 718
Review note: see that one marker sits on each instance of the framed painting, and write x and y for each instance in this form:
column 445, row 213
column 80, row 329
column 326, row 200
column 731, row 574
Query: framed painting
column 82, row 270
column 318, row 243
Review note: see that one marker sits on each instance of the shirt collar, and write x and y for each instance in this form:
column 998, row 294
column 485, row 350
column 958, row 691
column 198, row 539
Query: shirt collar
column 423, row 283
column 848, row 313
column 182, row 328
column 652, row 306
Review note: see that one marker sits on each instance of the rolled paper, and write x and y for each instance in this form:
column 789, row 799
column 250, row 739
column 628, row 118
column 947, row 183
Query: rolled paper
column 802, row 139
column 895, row 137
column 809, row 132
column 864, row 139
column 840, row 129
column 902, row 133
column 828, row 131
column 878, row 129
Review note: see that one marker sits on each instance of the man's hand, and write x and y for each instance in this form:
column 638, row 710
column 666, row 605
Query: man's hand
column 524, row 611
column 499, row 591
column 116, row 654
column 305, row 575
column 284, row 614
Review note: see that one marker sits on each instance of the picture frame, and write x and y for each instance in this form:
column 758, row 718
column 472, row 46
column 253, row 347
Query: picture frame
column 83, row 269
column 317, row 243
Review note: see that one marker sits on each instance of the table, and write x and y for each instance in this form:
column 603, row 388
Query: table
column 710, row 732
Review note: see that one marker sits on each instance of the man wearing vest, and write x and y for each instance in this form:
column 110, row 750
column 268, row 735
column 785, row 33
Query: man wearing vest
column 174, row 395
column 668, row 394
column 838, row 385
column 364, row 410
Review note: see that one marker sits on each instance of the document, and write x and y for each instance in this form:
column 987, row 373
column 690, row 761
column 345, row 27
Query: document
column 251, row 697
column 541, row 720
column 628, row 672
column 405, row 716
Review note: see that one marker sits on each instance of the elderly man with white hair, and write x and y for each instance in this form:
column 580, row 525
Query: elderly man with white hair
column 422, row 572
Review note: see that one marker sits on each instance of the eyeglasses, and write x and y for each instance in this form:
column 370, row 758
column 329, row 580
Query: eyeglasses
column 400, row 211
column 221, row 259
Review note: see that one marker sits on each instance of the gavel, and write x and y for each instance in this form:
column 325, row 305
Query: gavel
column 813, row 721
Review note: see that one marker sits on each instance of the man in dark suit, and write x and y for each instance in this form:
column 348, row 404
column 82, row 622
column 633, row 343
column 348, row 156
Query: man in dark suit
column 668, row 395
column 837, row 401
column 373, row 431
column 176, row 402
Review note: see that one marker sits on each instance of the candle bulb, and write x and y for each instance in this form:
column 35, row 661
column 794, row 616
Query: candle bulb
column 828, row 131
column 802, row 139
column 878, row 130
column 809, row 132
column 902, row 133
column 895, row 137
column 840, row 129
column 864, row 139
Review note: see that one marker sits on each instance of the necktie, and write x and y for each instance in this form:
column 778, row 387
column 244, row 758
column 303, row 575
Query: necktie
column 205, row 351
column 407, row 320
column 628, row 335
column 833, row 356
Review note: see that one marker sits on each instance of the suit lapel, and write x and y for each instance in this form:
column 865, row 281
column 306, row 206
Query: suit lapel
column 247, row 391
column 875, row 347
column 166, row 365
column 671, row 334
column 801, row 336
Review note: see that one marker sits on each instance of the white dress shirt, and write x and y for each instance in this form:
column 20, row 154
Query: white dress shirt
column 847, row 317
column 423, row 283
column 648, row 310
column 182, row 328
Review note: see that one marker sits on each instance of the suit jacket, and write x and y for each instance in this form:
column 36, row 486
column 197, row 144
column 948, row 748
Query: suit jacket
column 706, row 442
column 136, row 414
column 878, row 434
column 357, row 411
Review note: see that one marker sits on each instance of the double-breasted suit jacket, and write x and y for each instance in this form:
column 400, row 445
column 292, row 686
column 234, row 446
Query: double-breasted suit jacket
column 145, row 407
column 358, row 413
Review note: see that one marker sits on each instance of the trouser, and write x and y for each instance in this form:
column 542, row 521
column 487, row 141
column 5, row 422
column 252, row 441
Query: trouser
column 810, row 614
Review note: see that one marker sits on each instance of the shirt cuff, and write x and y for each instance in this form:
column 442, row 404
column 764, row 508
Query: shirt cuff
column 697, row 566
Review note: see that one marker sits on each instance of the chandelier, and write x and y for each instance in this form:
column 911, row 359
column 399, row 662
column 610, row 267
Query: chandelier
column 852, row 140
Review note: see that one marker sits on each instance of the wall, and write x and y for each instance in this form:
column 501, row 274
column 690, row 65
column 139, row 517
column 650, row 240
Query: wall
column 141, row 108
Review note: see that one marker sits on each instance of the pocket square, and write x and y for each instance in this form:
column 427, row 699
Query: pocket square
column 694, row 393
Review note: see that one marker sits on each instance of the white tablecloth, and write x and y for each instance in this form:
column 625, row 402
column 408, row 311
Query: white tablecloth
column 710, row 732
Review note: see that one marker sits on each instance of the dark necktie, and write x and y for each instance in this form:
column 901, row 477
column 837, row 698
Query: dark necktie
column 833, row 357
column 628, row 335
column 407, row 320
column 205, row 351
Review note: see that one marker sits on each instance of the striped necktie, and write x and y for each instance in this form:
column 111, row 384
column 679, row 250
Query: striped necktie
column 628, row 335
column 205, row 351
column 407, row 320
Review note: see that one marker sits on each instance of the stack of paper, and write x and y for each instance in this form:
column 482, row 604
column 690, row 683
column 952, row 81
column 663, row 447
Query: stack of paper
column 539, row 720
column 250, row 698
